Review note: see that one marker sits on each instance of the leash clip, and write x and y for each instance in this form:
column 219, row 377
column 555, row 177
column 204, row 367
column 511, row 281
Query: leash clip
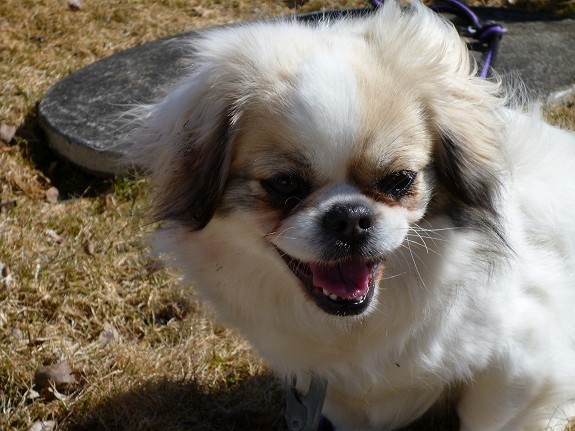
column 303, row 412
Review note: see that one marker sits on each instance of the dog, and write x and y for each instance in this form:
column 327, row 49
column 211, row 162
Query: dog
column 364, row 208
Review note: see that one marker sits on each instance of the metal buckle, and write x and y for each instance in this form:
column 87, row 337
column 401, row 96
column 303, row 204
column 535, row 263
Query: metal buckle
column 304, row 412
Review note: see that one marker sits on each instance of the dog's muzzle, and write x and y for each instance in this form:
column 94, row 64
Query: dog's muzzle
column 343, row 279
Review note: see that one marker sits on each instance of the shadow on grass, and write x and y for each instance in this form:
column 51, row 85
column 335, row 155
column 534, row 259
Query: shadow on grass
column 440, row 418
column 255, row 404
column 70, row 180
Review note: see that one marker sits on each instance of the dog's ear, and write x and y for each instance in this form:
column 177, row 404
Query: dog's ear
column 184, row 142
column 462, row 108
column 469, row 155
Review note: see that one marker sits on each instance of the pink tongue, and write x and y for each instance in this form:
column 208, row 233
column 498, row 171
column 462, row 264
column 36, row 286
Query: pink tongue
column 348, row 280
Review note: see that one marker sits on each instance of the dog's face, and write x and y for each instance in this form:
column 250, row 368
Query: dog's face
column 334, row 180
column 328, row 145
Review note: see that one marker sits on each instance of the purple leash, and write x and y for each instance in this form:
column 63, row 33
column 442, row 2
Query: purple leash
column 487, row 33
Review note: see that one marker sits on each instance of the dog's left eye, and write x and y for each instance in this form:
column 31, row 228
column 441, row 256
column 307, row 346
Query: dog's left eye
column 397, row 184
column 285, row 187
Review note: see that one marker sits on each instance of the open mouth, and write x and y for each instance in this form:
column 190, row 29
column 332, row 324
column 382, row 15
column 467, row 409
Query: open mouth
column 343, row 288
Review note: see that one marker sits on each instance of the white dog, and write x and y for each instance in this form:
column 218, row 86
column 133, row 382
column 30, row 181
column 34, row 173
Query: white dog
column 364, row 208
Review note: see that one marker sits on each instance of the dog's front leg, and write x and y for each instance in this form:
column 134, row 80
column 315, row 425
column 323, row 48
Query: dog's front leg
column 499, row 400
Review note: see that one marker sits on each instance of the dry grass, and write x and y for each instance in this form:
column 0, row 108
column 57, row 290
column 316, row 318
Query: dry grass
column 562, row 114
column 557, row 7
column 77, row 282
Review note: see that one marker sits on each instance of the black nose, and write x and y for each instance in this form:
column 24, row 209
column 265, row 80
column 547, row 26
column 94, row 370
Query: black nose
column 348, row 223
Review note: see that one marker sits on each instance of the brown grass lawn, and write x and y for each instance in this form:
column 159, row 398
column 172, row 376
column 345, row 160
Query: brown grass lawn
column 77, row 282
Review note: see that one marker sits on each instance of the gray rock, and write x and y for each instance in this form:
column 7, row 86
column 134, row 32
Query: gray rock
column 80, row 113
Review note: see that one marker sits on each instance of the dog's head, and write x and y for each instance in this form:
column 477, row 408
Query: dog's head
column 329, row 142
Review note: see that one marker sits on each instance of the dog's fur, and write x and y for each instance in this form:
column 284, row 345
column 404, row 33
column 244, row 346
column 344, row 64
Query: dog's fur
column 364, row 157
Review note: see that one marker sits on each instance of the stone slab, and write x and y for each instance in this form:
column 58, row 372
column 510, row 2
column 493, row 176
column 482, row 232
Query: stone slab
column 79, row 114
column 537, row 48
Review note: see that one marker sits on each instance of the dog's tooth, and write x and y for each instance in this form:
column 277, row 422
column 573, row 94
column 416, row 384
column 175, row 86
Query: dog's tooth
column 331, row 296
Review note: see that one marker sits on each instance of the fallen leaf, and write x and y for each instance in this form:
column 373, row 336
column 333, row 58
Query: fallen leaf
column 173, row 311
column 52, row 381
column 198, row 11
column 31, row 394
column 17, row 334
column 89, row 248
column 7, row 133
column 43, row 426
column 52, row 195
column 56, row 394
column 6, row 206
column 74, row 5
column 53, row 236
column 4, row 272
column 38, row 38
column 109, row 335
column 5, row 277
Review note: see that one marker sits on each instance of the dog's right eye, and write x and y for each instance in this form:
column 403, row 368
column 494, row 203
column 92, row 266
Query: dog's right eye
column 397, row 184
column 286, row 187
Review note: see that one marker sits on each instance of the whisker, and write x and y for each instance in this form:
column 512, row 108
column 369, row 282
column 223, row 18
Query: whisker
column 280, row 234
column 393, row 276
column 420, row 278
column 428, row 250
column 421, row 238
